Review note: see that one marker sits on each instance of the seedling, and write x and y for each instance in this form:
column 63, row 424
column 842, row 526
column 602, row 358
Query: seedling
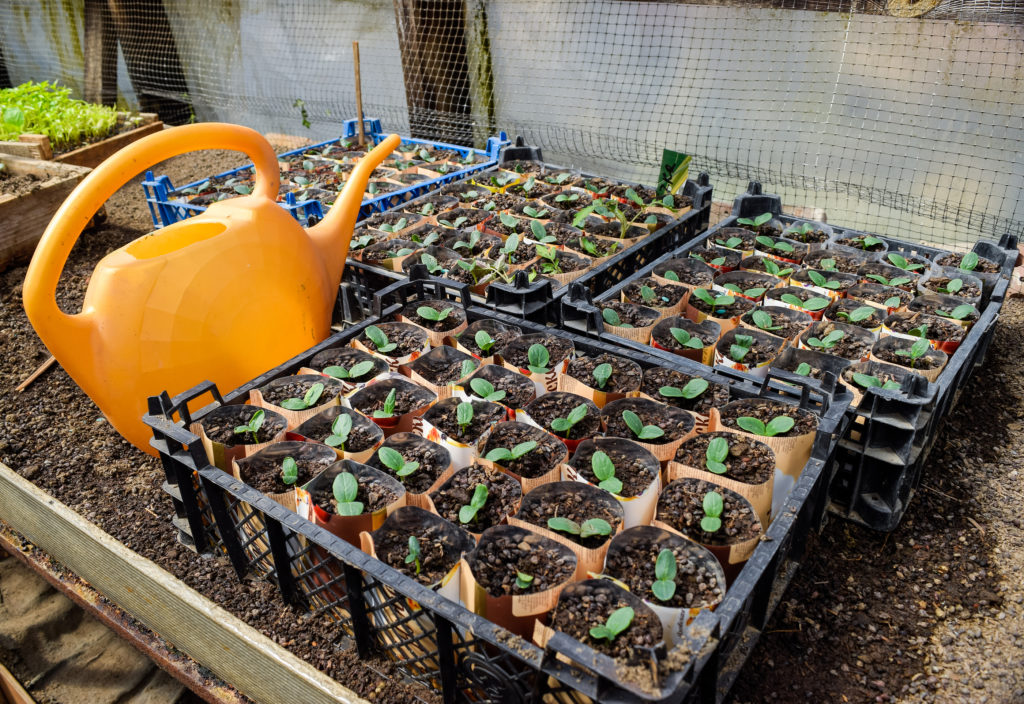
column 730, row 243
column 467, row 368
column 776, row 426
column 435, row 268
column 611, row 317
column 801, row 231
column 771, row 267
column 827, row 342
column 822, row 282
column 739, row 349
column 430, row 239
column 587, row 529
column 772, row 244
column 363, row 241
column 717, row 261
column 432, row 314
column 523, row 580
column 413, row 558
column 508, row 250
column 253, row 426
column 564, row 425
column 558, row 179
column 608, row 208
column 916, row 351
column 550, row 263
column 393, row 460
column 380, row 341
column 920, row 331
column 531, row 212
column 754, row 223
column 969, row 261
column 309, row 400
column 664, row 585
column 538, row 357
column 503, row 454
column 952, row 286
column 485, row 390
column 693, row 389
column 602, row 373
column 828, row 264
column 868, row 242
column 894, row 281
column 401, row 224
column 649, row 296
column 713, row 302
column 464, row 416
column 618, row 621
column 641, row 431
column 389, row 406
column 803, row 369
column 902, row 263
column 453, row 224
column 893, row 302
column 502, row 180
column 567, row 198
column 815, row 303
column 354, row 372
column 857, row 315
column 345, row 489
column 604, row 470
column 289, row 471
column 469, row 196
column 483, row 341
column 427, row 209
column 373, row 188
column 540, row 233
column 591, row 248
column 959, row 313
column 713, row 507
column 508, row 221
column 341, row 428
column 868, row 381
column 685, row 339
column 468, row 512
column 763, row 321
column 755, row 292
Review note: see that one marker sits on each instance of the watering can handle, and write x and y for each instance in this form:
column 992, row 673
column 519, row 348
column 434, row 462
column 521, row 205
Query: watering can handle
column 40, row 288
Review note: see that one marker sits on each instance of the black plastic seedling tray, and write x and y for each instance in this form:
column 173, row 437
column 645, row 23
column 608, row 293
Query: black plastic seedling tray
column 444, row 646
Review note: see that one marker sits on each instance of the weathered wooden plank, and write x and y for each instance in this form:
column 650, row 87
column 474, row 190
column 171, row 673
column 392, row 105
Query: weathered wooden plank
column 100, row 54
column 29, row 146
column 92, row 155
column 236, row 652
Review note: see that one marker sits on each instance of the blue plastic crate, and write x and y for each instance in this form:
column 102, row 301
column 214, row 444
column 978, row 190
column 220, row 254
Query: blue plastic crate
column 166, row 210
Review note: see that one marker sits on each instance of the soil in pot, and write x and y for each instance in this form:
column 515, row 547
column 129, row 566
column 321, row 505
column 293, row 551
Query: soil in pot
column 406, row 338
column 748, row 461
column 507, row 225
column 446, row 315
column 447, row 416
column 781, row 322
column 389, row 249
column 954, row 259
column 220, row 424
column 836, row 260
column 723, row 305
column 519, row 390
column 592, row 246
column 595, row 226
column 496, row 336
column 691, row 393
column 560, row 231
column 738, row 238
column 750, row 348
column 444, row 365
column 537, row 210
column 499, row 558
column 807, row 233
column 408, row 397
column 462, row 217
column 634, row 466
column 887, row 376
column 553, row 262
column 968, row 288
column 393, row 221
column 577, row 502
column 363, row 435
column 557, row 406
column 767, row 265
column 648, row 292
column 615, row 374
column 348, row 358
column 547, row 453
column 838, row 339
column 945, row 307
column 265, row 471
column 425, row 235
column 522, row 166
column 687, row 271
column 501, row 499
column 634, row 565
column 628, row 315
column 888, row 350
column 808, row 363
column 853, row 312
column 707, row 333
column 499, row 202
column 866, row 243
column 283, row 391
column 681, row 506
column 568, row 200
column 431, row 458
column 433, row 204
column 588, row 605
column 517, row 351
column 440, row 544
column 471, row 243
column 781, row 248
column 803, row 298
column 937, row 328
column 747, row 283
column 764, row 411
column 917, row 264
column 880, row 295
column 835, row 281
column 373, row 493
column 716, row 257
column 879, row 273
column 769, row 228
column 673, row 422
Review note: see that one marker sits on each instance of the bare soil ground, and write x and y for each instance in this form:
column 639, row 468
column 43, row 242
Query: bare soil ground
column 933, row 612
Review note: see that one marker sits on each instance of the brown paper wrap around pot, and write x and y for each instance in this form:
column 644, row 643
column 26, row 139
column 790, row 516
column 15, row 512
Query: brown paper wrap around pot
column 544, row 382
column 636, row 334
column 436, row 338
column 348, row 528
column 491, row 327
column 220, row 455
column 396, row 364
column 759, row 495
column 705, row 355
column 330, row 414
column 442, row 391
column 332, row 392
column 527, row 483
column 428, row 501
column 463, row 454
column 667, row 311
column 407, row 422
column 600, row 398
column 665, row 451
column 588, row 560
column 791, row 453
column 930, row 374
column 636, row 510
column 759, row 370
column 517, row 614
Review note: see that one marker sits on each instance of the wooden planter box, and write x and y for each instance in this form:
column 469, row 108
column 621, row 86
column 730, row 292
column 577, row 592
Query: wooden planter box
column 23, row 218
column 36, row 146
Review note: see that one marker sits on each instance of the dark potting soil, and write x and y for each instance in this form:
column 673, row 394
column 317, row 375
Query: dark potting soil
column 220, row 423
column 625, row 373
column 858, row 243
column 407, row 338
column 697, row 583
column 632, row 314
column 681, row 505
column 938, row 328
column 427, row 235
column 455, row 317
column 727, row 235
column 882, row 376
column 764, row 411
column 562, row 232
column 363, row 435
column 565, row 263
column 575, row 506
column 688, row 271
column 580, row 611
column 438, row 554
column 768, row 229
column 432, row 458
column 600, row 248
column 296, row 387
column 762, row 348
column 844, row 281
column 986, row 266
column 443, row 416
column 408, row 397
column 749, row 461
column 739, row 306
column 716, row 256
column 781, row 318
column 931, row 304
column 348, row 357
column 263, row 473
column 851, row 346
column 522, row 166
column 517, row 350
column 520, row 226
column 474, row 216
column 439, row 201
column 381, row 251
column 411, row 178
column 462, row 242
column 846, row 306
column 878, row 273
column 535, row 463
column 19, row 185
column 442, row 365
column 877, row 293
column 660, row 219
column 662, row 333
column 503, row 496
column 929, row 360
column 568, row 200
column 840, row 261
column 532, row 188
column 813, row 236
column 634, row 467
column 938, row 284
column 375, row 495
column 558, row 404
column 659, row 295
column 673, row 421
column 519, row 390
column 746, row 282
column 498, row 558
column 713, row 396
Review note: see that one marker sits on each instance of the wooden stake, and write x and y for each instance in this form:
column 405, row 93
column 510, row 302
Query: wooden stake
column 359, row 94
column 36, row 374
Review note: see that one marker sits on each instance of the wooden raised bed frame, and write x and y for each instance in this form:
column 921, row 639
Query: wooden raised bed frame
column 36, row 146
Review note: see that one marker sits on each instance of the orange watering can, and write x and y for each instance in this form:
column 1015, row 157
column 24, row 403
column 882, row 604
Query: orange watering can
column 225, row 295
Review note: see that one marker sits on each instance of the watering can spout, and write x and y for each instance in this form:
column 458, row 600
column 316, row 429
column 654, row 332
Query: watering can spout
column 333, row 234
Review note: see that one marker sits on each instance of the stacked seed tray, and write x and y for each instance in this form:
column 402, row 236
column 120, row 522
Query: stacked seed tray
column 313, row 177
column 442, row 631
column 511, row 233
column 880, row 298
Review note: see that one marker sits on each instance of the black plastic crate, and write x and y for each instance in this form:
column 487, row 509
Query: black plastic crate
column 444, row 646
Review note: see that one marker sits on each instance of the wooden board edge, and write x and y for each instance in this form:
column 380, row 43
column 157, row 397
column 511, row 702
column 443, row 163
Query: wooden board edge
column 233, row 650
column 92, row 155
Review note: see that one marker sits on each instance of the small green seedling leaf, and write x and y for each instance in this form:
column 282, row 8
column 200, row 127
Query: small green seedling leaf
column 414, row 554
column 665, row 569
column 953, row 286
column 503, row 454
column 827, row 342
column 959, row 313
column 868, row 381
column 393, row 460
column 467, row 368
column 604, row 470
column 464, row 416
column 564, row 425
column 253, row 426
column 713, row 507
column 611, row 317
column 739, row 349
column 803, row 369
column 602, row 373
column 685, row 339
column 389, row 406
column 617, row 622
column 595, row 526
column 893, row 302
column 523, row 580
column 916, row 351
column 693, row 389
column 468, row 512
column 730, row 243
column 307, row 401
column 357, row 370
column 538, row 358
column 763, row 321
column 345, row 489
column 432, row 314
column 641, row 431
column 289, row 470
column 483, row 340
column 340, row 430
column 815, row 303
column 485, row 390
column 380, row 341
column 776, row 426
column 858, row 314
column 715, row 455
column 969, row 261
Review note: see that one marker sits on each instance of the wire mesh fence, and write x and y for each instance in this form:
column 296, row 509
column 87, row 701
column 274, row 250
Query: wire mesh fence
column 909, row 125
